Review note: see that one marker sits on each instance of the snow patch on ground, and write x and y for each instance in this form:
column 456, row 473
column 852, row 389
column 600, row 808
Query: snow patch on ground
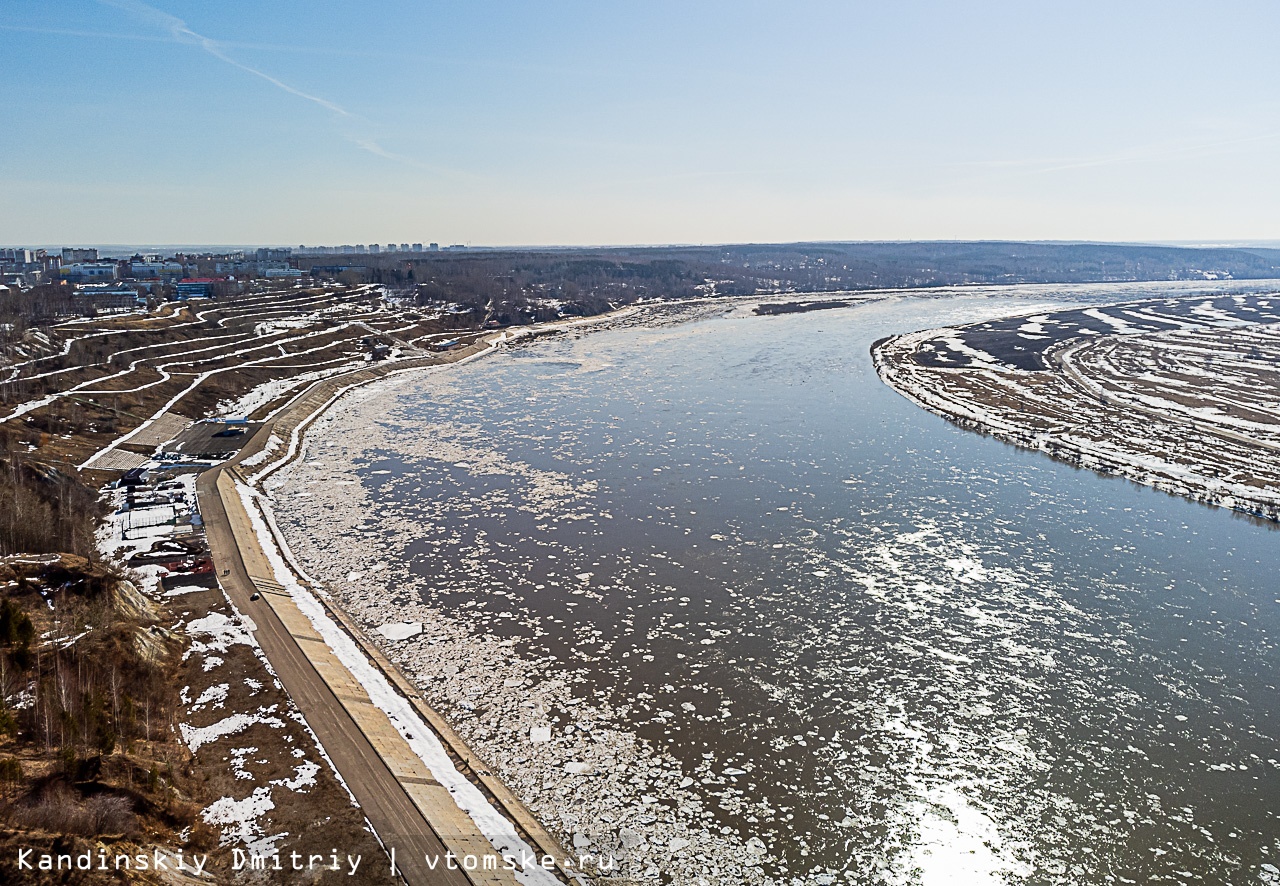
column 195, row 736
column 238, row 821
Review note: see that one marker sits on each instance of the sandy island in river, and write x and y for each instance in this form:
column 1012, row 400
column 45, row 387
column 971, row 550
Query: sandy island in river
column 1182, row 394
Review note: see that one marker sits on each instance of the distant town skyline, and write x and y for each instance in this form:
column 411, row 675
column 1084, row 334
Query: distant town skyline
column 519, row 124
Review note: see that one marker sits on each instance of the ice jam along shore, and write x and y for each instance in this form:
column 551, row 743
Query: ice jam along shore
column 497, row 829
column 617, row 798
column 287, row 575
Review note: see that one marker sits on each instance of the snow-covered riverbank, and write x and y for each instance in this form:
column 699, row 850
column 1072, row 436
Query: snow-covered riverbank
column 1186, row 407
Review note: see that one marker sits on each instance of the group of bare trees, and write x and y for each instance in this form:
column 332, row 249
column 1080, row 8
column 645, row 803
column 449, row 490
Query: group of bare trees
column 529, row 287
column 43, row 510
column 86, row 688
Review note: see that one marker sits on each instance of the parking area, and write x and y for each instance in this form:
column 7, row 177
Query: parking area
column 212, row 439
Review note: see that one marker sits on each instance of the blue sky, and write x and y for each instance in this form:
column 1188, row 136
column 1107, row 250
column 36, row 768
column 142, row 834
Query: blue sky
column 653, row 122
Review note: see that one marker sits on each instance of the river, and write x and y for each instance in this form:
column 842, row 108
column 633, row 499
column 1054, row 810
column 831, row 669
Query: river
column 882, row 649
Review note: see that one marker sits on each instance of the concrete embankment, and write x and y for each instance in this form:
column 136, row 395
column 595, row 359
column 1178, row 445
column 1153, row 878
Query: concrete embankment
column 413, row 808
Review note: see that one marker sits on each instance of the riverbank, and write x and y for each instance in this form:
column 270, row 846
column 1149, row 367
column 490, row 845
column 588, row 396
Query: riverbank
column 414, row 781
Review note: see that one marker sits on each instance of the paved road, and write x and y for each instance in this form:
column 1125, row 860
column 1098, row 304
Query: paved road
column 399, row 823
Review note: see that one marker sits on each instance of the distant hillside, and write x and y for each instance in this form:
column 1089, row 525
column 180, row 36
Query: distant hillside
column 516, row 286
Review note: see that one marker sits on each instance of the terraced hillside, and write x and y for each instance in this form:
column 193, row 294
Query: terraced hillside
column 75, row 393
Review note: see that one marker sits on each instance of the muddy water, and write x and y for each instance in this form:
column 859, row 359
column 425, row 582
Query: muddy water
column 888, row 649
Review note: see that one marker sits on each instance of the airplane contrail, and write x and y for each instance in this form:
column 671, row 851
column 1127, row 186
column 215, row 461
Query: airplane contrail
column 180, row 32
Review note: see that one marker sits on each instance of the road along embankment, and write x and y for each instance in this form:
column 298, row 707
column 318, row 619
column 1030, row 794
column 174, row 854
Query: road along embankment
column 430, row 801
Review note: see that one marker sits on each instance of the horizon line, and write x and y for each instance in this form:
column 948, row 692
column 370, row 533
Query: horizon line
column 1206, row 243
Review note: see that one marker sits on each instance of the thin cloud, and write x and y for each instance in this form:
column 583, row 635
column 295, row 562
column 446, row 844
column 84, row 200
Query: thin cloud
column 374, row 148
column 435, row 59
column 180, row 32
column 211, row 47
